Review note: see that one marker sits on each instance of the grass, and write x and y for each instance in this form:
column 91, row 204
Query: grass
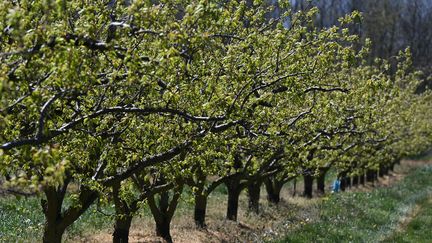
column 21, row 220
column 368, row 216
column 419, row 228
column 359, row 216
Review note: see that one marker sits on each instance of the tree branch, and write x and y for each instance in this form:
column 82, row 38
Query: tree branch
column 43, row 112
column 268, row 85
column 321, row 89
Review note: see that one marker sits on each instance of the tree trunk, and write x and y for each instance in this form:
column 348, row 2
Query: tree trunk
column 321, row 181
column 52, row 234
column 308, row 186
column 163, row 229
column 56, row 220
column 52, row 209
column 381, row 171
column 201, row 195
column 233, row 186
column 355, row 180
column 362, row 179
column 163, row 213
column 345, row 181
column 200, row 209
column 121, row 229
column 124, row 216
column 391, row 167
column 161, row 217
column 348, row 181
column 370, row 176
column 254, row 190
column 163, row 221
column 386, row 170
column 343, row 184
column 273, row 188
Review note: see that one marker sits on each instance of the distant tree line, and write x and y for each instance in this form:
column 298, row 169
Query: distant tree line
column 391, row 25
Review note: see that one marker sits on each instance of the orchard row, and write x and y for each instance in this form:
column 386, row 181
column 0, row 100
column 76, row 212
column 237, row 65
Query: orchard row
column 133, row 101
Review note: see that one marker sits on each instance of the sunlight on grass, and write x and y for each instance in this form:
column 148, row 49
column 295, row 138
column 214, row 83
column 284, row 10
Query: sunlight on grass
column 366, row 216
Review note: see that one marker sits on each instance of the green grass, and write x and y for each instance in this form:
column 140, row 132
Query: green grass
column 21, row 220
column 366, row 216
column 419, row 228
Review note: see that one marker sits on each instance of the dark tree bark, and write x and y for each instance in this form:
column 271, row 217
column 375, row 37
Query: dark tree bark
column 321, row 184
column 254, row 191
column 386, row 170
column 343, row 185
column 122, row 228
column 370, row 176
column 348, row 181
column 163, row 229
column 321, row 181
column 345, row 181
column 362, row 179
column 391, row 167
column 200, row 210
column 273, row 188
column 308, row 184
column 124, row 216
column 52, row 233
column 52, row 210
column 381, row 171
column 308, row 177
column 355, row 180
column 164, row 212
column 201, row 195
column 234, row 189
column 200, row 199
column 57, row 221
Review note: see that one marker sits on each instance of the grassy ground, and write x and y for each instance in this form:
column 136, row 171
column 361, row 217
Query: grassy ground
column 21, row 220
column 394, row 211
column 418, row 227
column 385, row 214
